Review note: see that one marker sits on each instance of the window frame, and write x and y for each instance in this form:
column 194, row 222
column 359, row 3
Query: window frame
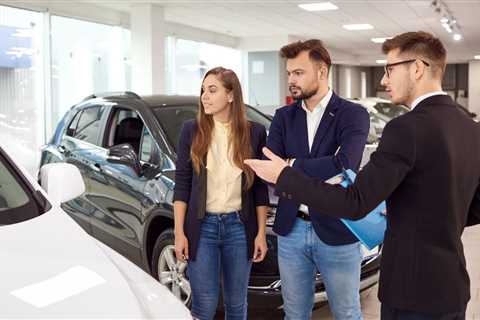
column 79, row 113
column 108, row 125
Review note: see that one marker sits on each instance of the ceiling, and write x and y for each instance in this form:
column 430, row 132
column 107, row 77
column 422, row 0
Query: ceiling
column 252, row 18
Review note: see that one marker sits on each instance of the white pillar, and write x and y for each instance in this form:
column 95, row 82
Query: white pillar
column 147, row 25
column 474, row 86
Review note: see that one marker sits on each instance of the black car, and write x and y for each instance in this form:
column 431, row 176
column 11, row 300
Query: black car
column 124, row 146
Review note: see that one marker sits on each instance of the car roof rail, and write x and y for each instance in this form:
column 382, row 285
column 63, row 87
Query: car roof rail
column 112, row 94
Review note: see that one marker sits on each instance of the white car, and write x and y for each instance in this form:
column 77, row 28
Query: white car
column 51, row 268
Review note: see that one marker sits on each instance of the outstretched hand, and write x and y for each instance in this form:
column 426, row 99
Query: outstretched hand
column 268, row 170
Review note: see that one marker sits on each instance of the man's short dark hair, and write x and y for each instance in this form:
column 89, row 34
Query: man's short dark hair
column 316, row 51
column 422, row 45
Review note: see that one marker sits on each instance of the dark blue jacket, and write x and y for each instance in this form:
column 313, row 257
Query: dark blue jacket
column 192, row 188
column 344, row 125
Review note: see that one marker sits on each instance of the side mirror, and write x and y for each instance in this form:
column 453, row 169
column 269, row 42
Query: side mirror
column 124, row 154
column 62, row 182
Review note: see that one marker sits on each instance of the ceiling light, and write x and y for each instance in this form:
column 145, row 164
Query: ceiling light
column 447, row 27
column 381, row 61
column 360, row 26
column 477, row 57
column 380, row 40
column 319, row 6
column 457, row 37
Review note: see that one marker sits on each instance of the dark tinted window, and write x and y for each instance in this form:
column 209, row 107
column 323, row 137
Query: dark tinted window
column 125, row 126
column 16, row 203
column 172, row 119
column 86, row 125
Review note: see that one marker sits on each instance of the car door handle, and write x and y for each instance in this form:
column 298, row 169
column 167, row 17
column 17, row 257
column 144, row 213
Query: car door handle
column 96, row 167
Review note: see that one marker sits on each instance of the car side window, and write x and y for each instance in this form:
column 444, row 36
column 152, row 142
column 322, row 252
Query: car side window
column 125, row 127
column 73, row 124
column 86, row 125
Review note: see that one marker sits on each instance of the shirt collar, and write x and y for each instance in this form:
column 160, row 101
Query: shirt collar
column 222, row 126
column 425, row 96
column 321, row 105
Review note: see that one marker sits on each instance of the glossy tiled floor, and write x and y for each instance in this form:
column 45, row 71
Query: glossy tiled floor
column 471, row 241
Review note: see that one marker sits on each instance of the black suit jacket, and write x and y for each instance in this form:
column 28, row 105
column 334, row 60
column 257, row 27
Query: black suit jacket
column 192, row 188
column 427, row 166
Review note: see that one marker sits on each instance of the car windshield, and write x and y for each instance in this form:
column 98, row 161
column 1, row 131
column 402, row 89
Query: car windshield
column 172, row 118
column 16, row 203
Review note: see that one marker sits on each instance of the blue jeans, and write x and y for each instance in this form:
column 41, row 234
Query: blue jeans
column 300, row 254
column 222, row 252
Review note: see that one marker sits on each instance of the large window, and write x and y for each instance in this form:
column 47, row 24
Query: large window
column 21, row 85
column 86, row 58
column 188, row 61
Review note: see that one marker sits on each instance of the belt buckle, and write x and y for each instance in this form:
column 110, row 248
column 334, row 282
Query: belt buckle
column 304, row 216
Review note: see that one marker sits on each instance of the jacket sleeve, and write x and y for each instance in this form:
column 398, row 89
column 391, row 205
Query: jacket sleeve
column 474, row 212
column 387, row 168
column 183, row 171
column 260, row 188
column 352, row 138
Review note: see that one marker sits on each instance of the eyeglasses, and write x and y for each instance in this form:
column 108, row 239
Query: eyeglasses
column 389, row 67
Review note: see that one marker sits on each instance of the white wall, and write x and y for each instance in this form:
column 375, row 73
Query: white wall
column 474, row 86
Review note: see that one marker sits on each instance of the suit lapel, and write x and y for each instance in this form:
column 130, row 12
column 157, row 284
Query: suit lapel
column 327, row 119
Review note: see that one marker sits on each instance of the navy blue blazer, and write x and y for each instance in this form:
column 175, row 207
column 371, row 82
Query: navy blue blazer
column 191, row 188
column 344, row 127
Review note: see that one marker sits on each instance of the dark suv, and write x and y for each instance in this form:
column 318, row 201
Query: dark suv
column 124, row 146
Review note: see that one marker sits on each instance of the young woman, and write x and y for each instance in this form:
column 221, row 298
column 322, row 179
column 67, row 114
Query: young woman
column 220, row 205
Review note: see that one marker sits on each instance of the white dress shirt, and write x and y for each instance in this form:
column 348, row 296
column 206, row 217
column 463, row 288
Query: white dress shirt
column 425, row 96
column 313, row 121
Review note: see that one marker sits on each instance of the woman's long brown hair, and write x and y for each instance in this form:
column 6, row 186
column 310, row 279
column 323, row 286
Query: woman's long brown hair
column 239, row 140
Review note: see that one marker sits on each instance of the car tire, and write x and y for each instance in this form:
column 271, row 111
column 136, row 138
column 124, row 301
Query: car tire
column 168, row 271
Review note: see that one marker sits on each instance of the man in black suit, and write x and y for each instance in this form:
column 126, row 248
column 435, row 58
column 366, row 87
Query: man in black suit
column 427, row 167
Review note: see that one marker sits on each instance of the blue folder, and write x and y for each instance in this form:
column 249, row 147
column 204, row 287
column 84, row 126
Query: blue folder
column 370, row 230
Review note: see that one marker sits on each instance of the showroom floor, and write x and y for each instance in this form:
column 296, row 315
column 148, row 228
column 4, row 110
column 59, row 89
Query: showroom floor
column 371, row 305
column 471, row 241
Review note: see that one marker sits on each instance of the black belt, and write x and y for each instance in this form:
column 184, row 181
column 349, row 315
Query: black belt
column 304, row 216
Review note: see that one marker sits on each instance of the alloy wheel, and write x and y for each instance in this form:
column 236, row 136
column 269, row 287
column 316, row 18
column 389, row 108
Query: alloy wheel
column 172, row 274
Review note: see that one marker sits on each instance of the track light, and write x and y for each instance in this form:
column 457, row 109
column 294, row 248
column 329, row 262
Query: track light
column 447, row 20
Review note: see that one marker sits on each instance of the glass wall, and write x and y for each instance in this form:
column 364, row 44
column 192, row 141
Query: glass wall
column 22, row 85
column 86, row 58
column 188, row 61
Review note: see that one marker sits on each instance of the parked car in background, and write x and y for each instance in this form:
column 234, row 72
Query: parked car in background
column 381, row 111
column 125, row 148
column 51, row 268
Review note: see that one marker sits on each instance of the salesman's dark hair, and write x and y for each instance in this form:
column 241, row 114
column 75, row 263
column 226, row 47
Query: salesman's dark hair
column 316, row 51
column 422, row 45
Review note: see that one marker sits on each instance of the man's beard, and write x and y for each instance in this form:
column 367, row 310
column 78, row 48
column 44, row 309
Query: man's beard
column 303, row 94
column 408, row 94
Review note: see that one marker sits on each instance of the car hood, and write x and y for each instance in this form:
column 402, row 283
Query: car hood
column 49, row 267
